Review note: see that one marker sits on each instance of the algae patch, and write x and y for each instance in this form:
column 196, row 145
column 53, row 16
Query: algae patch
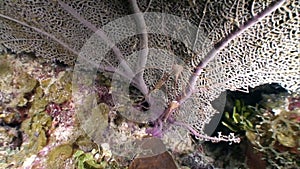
column 58, row 155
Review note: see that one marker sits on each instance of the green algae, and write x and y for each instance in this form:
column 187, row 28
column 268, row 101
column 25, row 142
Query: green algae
column 5, row 68
column 10, row 117
column 93, row 160
column 15, row 85
column 58, row 155
column 86, row 160
column 25, row 83
column 57, row 90
column 14, row 82
column 22, row 102
column 25, row 97
column 61, row 91
column 35, row 133
column 36, row 128
column 240, row 118
column 33, row 96
column 39, row 102
column 84, row 143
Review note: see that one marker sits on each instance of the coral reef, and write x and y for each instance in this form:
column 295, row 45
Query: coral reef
column 49, row 119
column 38, row 124
column 277, row 135
column 39, row 127
column 237, row 34
column 269, row 130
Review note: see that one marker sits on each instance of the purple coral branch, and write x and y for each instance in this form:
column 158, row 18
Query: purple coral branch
column 101, row 34
column 190, row 88
column 156, row 131
column 221, row 45
column 140, row 84
column 141, row 26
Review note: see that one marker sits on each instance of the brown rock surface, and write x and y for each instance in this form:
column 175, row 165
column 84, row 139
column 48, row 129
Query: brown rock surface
column 161, row 161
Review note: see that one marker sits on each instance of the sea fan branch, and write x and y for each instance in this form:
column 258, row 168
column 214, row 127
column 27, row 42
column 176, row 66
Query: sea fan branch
column 190, row 88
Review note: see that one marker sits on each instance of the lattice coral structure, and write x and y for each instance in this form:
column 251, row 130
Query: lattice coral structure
column 267, row 52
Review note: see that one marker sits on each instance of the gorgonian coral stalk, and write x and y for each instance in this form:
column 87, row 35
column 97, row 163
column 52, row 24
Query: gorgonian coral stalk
column 190, row 88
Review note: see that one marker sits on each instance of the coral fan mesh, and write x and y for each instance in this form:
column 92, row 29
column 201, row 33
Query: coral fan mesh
column 268, row 52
